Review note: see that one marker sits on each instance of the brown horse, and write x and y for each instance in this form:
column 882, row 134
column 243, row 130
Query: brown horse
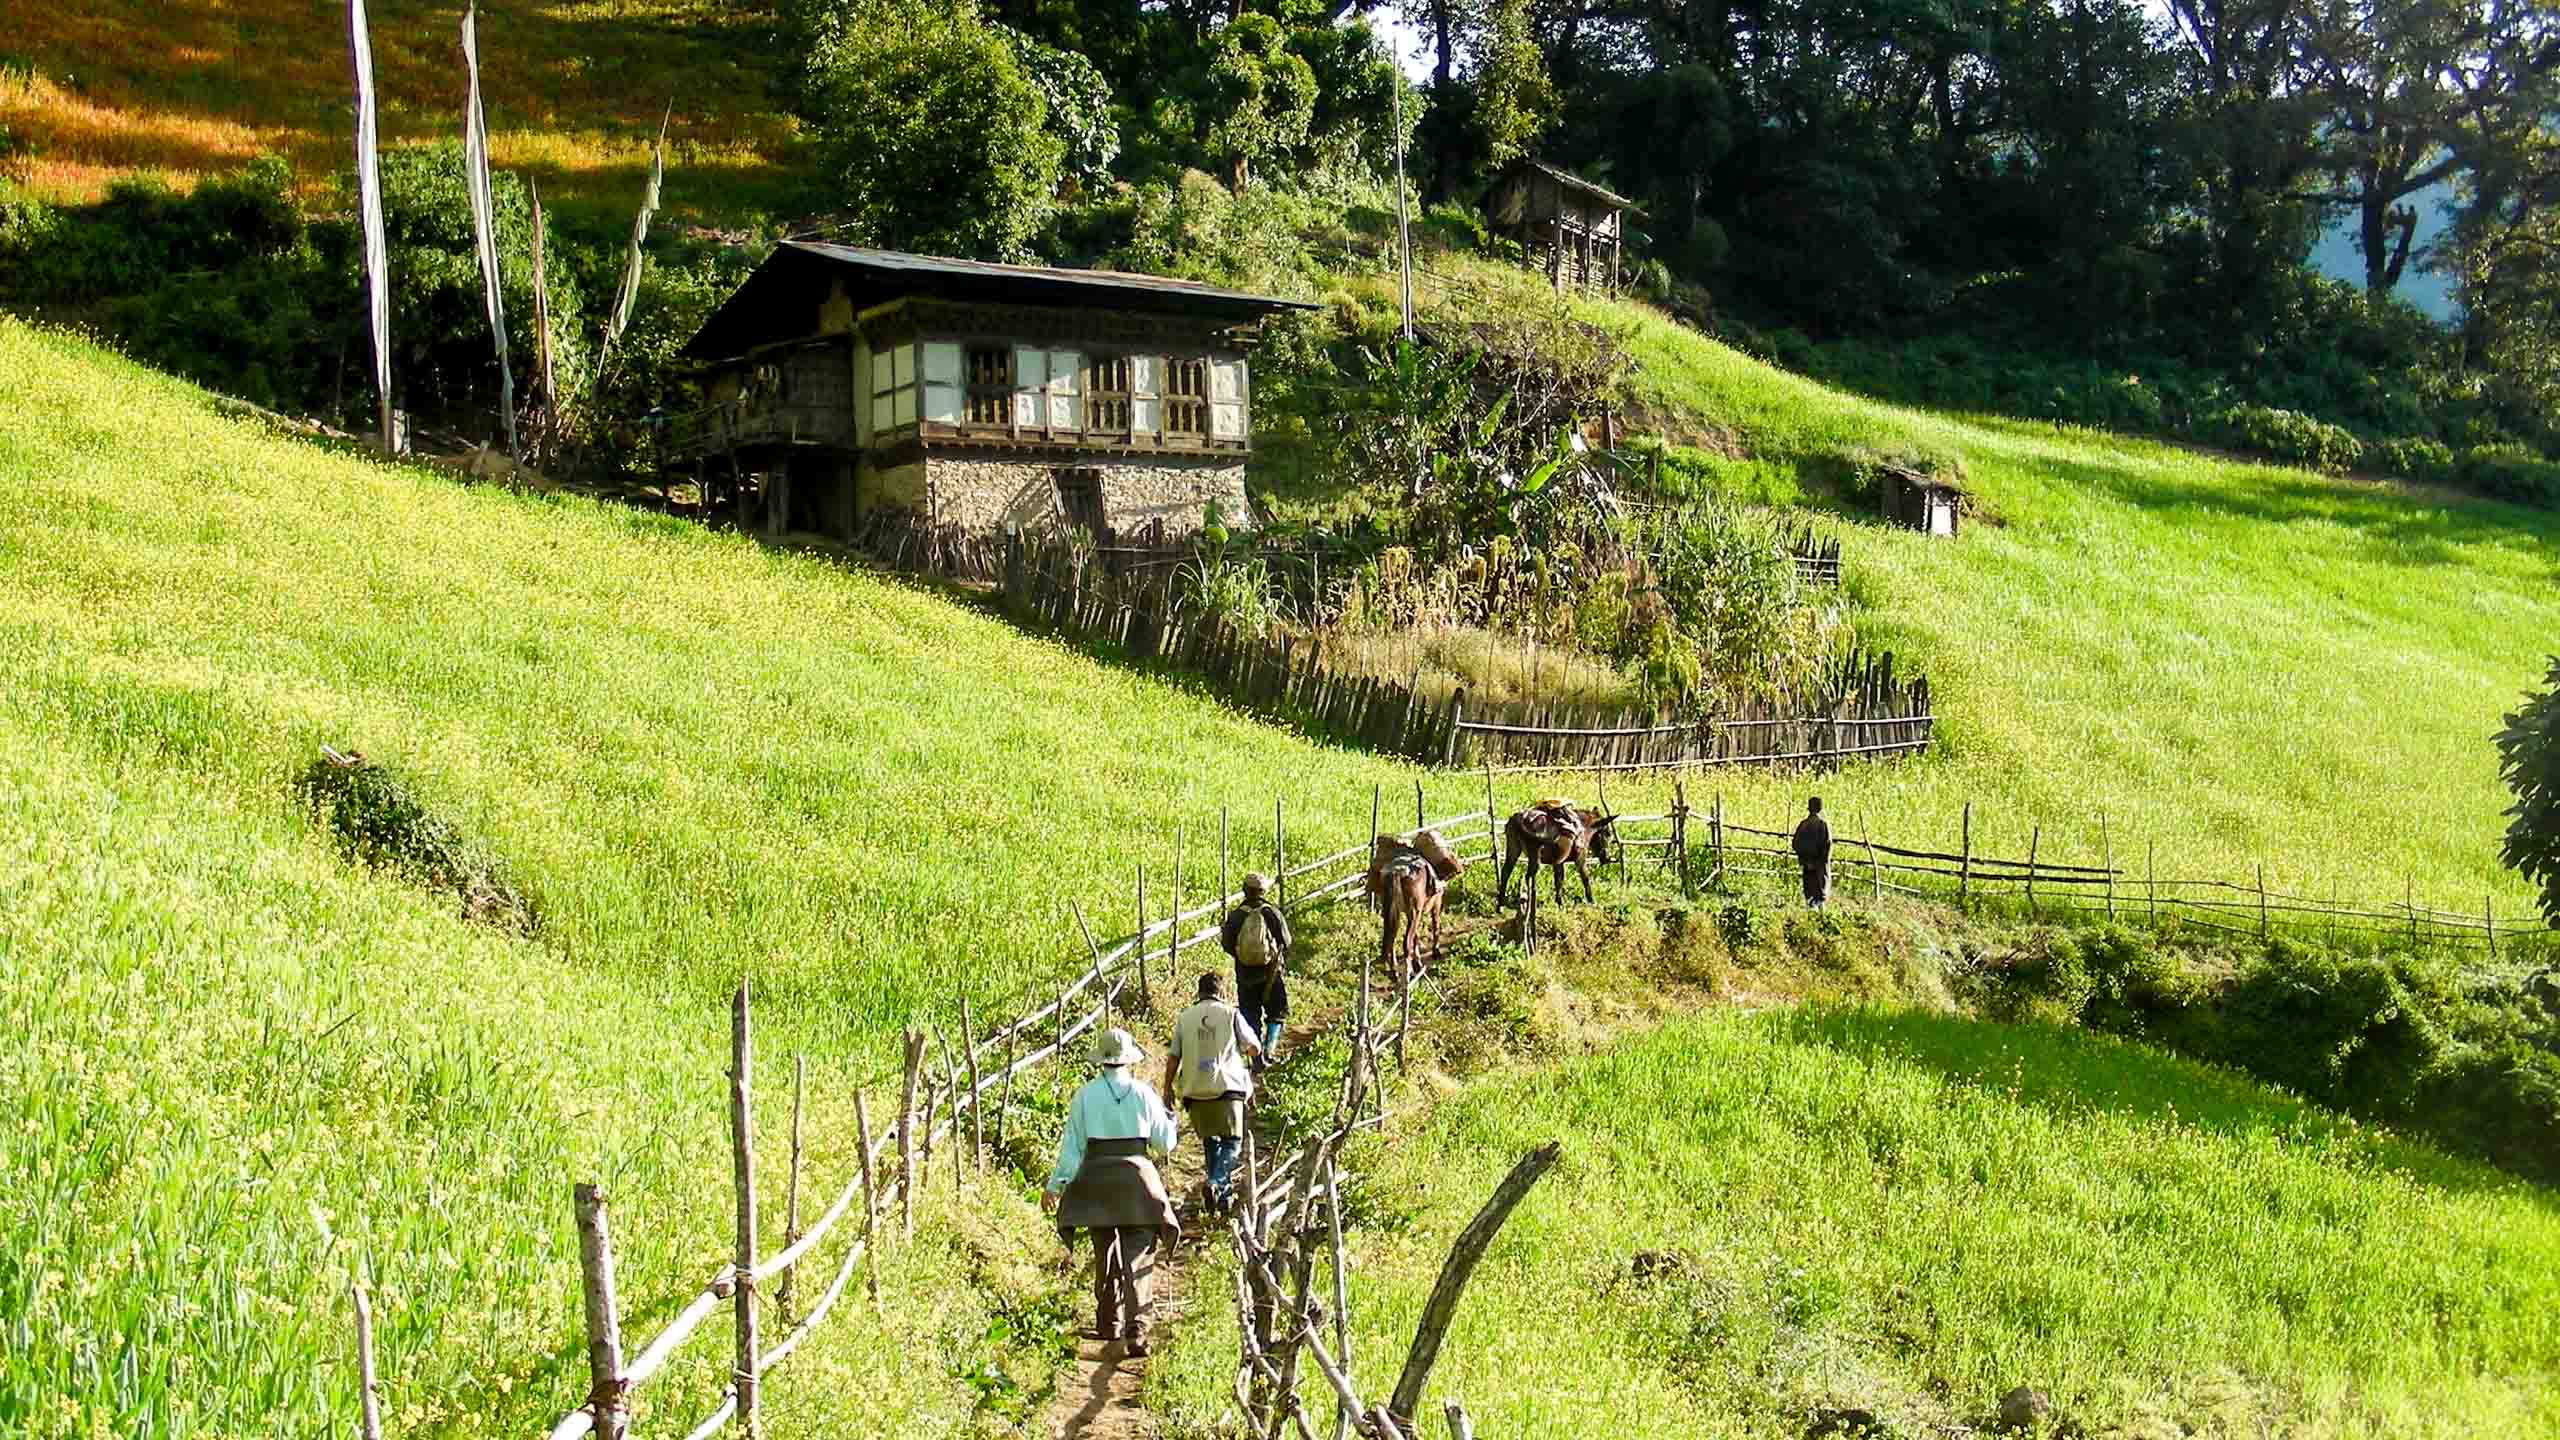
column 1408, row 877
column 1551, row 833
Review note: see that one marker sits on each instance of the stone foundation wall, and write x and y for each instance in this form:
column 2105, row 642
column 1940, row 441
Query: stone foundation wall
column 1006, row 494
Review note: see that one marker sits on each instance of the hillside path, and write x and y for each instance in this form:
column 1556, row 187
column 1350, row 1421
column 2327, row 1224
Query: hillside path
column 1101, row 1397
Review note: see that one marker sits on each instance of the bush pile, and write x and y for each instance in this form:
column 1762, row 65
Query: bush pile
column 2286, row 435
column 2392, row 1036
column 379, row 820
column 2510, row 472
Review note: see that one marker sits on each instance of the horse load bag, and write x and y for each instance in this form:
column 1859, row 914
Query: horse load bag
column 1427, row 844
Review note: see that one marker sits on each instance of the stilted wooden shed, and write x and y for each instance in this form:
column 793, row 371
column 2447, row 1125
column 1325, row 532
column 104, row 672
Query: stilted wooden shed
column 1570, row 228
column 1918, row 500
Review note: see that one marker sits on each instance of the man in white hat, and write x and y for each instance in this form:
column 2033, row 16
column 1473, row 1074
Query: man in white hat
column 1106, row 1182
column 1206, row 1072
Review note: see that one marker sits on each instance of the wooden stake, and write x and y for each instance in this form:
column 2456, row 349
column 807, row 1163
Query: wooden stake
column 1875, row 868
column 1964, row 875
column 1421, row 817
column 791, row 1192
column 914, row 1040
column 2409, row 902
column 1341, row 1299
column 1279, row 857
column 1460, row 1267
column 2151, row 879
column 2489, row 922
column 605, row 1399
column 1715, row 835
column 742, row 1136
column 1173, row 941
column 2035, row 838
column 1459, row 1427
column 2262, row 900
column 368, row 1387
column 870, row 1196
column 1223, row 889
column 1142, row 937
column 2107, row 849
column 977, row 1105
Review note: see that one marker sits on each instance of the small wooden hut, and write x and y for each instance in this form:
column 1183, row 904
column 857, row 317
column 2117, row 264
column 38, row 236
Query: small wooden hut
column 1567, row 226
column 1921, row 501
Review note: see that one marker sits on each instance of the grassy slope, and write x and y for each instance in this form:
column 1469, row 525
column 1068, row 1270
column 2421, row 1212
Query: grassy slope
column 1910, row 1214
column 706, row 759
column 112, row 88
column 2235, row 662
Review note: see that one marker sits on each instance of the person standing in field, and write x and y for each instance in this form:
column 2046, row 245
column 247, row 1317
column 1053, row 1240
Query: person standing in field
column 1257, row 935
column 1206, row 1072
column 1106, row 1182
column 1813, row 853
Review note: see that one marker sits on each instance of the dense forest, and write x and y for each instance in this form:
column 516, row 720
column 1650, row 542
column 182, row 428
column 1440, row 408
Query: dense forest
column 2088, row 211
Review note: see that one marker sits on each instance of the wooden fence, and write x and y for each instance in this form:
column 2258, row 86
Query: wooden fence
column 1704, row 846
column 1863, row 708
column 961, row 1101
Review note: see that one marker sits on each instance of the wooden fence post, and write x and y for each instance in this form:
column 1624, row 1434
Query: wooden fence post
column 1459, row 1427
column 1457, row 719
column 742, row 1138
column 1142, row 939
column 1875, row 867
column 2107, row 853
column 1715, row 836
column 913, row 1040
column 870, row 1196
column 369, row 1388
column 604, row 1318
column 1964, row 874
column 2262, row 900
column 2151, row 878
column 791, row 1191
column 2409, row 902
column 977, row 1103
column 1223, row 890
column 1421, row 817
column 2035, row 838
column 1173, row 939
column 1279, row 857
column 2489, row 922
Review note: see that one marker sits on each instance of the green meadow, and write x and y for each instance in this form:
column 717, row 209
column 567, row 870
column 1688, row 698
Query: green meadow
column 2232, row 663
column 250, row 1065
column 1909, row 1215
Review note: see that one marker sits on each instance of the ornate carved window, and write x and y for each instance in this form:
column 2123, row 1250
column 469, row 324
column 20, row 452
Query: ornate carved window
column 1108, row 393
column 1186, row 403
column 990, row 377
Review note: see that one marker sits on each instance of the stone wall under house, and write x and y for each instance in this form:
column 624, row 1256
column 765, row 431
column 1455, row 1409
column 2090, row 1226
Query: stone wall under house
column 995, row 494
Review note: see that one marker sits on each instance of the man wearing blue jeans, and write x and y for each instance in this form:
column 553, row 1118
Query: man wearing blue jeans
column 1257, row 935
column 1206, row 1071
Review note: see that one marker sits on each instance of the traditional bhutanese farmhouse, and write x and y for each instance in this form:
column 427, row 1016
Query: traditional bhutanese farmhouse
column 850, row 385
column 1569, row 228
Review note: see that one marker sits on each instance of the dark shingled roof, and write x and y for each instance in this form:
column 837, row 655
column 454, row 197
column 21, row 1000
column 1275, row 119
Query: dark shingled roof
column 1575, row 182
column 775, row 301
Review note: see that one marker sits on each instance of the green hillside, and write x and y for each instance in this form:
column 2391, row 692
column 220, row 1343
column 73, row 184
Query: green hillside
column 2233, row 662
column 253, row 1064
column 1910, row 1215
column 705, row 760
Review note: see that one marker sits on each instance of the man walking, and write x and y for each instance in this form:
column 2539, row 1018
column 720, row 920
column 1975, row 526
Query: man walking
column 1813, row 853
column 1257, row 935
column 1206, row 1072
column 1106, row 1182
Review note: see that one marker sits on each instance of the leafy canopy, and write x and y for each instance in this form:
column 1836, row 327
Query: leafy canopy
column 2529, row 761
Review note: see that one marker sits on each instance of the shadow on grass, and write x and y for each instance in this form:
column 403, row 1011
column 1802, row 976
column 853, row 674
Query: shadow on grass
column 2073, row 1072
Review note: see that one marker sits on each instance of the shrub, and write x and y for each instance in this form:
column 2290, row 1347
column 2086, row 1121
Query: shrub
column 2412, row 457
column 2286, row 435
column 2510, row 472
column 1452, row 227
column 379, row 820
column 927, row 127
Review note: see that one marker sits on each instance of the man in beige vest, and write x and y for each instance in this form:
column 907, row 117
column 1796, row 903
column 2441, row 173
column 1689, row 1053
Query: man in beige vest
column 1206, row 1071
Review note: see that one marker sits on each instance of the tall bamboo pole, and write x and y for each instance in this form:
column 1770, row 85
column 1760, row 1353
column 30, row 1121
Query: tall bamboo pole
column 605, row 1400
column 369, row 1388
column 870, row 1197
column 791, row 1192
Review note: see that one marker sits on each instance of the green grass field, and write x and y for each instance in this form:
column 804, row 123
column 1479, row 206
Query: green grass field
column 705, row 759
column 1910, row 1214
column 2234, row 663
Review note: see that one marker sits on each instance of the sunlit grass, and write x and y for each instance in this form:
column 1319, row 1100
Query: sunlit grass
column 1910, row 1215
column 706, row 760
column 575, row 92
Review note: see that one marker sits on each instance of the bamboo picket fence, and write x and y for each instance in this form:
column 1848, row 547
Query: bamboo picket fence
column 1862, row 709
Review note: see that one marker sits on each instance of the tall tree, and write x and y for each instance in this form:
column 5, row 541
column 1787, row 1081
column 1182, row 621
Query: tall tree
column 1261, row 96
column 1514, row 103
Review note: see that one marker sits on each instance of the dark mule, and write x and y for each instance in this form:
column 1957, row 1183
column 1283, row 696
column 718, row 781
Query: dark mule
column 1551, row 833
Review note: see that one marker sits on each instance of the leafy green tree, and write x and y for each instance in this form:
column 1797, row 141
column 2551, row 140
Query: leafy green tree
column 929, row 130
column 2529, row 761
column 1514, row 103
column 1079, row 101
column 1260, row 97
